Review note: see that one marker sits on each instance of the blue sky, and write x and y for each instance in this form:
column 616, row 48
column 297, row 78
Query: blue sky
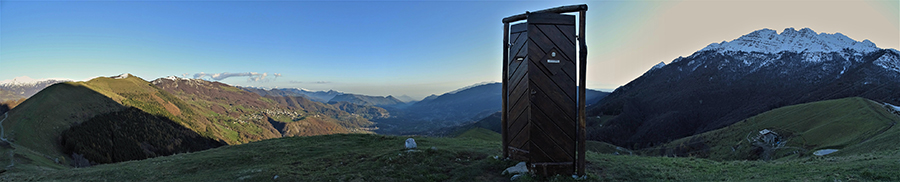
column 415, row 48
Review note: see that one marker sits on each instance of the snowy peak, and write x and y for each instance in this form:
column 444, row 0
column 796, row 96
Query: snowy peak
column 122, row 76
column 658, row 66
column 25, row 80
column 889, row 60
column 791, row 40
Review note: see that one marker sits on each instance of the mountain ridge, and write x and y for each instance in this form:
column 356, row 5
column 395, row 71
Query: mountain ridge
column 437, row 113
column 806, row 40
column 366, row 100
column 714, row 88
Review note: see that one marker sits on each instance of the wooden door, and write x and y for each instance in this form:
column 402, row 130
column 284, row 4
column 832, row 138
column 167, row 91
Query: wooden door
column 542, row 104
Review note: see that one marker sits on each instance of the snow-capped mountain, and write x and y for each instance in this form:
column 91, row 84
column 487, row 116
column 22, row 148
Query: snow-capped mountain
column 657, row 66
column 805, row 40
column 732, row 80
column 25, row 80
column 25, row 87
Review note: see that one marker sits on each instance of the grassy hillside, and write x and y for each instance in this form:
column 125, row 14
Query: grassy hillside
column 852, row 125
column 130, row 134
column 239, row 116
column 136, row 92
column 36, row 123
column 481, row 133
column 36, row 127
column 340, row 113
column 9, row 104
column 365, row 157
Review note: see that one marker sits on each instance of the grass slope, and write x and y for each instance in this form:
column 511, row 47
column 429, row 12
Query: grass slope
column 35, row 126
column 130, row 134
column 36, row 123
column 366, row 157
column 238, row 116
column 481, row 133
column 855, row 125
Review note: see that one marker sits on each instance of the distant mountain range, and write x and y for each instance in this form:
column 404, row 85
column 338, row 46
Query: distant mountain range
column 318, row 96
column 381, row 101
column 733, row 80
column 15, row 90
column 427, row 116
column 406, row 99
column 332, row 96
column 462, row 106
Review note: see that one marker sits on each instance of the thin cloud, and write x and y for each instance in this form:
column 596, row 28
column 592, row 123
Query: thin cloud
column 315, row 82
column 251, row 76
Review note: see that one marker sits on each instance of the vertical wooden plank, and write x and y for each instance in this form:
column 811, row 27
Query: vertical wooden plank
column 517, row 122
column 505, row 95
column 582, row 74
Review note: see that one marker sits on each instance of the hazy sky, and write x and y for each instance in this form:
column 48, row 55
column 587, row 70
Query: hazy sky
column 382, row 47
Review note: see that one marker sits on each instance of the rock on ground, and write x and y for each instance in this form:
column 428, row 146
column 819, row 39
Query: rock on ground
column 410, row 143
column 520, row 168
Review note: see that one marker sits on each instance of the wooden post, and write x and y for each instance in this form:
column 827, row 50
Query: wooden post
column 580, row 160
column 503, row 129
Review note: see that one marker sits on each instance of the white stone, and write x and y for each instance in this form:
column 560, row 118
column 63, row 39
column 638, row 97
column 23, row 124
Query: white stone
column 824, row 152
column 520, row 168
column 410, row 143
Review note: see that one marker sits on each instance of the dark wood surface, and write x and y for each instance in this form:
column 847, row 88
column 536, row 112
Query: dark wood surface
column 582, row 76
column 550, row 18
column 541, row 120
column 518, row 145
column 543, row 110
column 561, row 9
column 504, row 93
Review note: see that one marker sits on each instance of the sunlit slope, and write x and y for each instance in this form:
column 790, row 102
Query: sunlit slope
column 853, row 125
column 240, row 116
column 364, row 157
column 136, row 92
